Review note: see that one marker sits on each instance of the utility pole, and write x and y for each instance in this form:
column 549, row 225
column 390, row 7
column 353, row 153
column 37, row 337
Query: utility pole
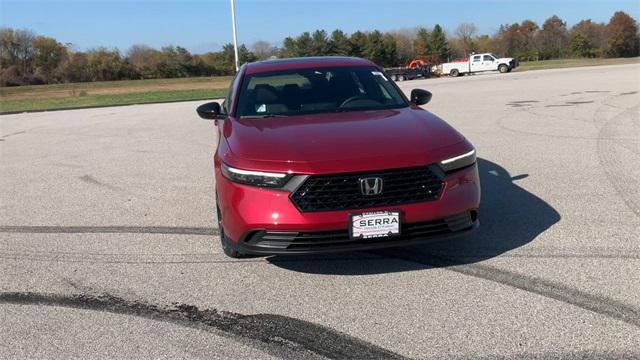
column 235, row 35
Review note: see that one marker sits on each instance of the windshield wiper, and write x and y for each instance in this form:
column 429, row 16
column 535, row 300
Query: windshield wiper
column 263, row 116
column 338, row 110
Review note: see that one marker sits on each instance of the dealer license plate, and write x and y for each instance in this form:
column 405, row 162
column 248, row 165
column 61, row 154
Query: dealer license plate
column 374, row 224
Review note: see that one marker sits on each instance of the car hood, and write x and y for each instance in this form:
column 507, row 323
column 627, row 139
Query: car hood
column 350, row 140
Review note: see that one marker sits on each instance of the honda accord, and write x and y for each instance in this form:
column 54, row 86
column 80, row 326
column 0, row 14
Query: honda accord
column 327, row 154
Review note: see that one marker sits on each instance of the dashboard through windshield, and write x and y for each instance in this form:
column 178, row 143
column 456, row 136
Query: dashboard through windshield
column 317, row 90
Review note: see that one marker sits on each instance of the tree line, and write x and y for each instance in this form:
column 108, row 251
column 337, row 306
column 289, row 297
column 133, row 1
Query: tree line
column 27, row 58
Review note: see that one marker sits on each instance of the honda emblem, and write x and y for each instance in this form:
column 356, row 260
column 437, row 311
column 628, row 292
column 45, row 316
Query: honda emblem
column 371, row 186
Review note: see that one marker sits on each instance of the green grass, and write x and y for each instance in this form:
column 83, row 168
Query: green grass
column 566, row 63
column 111, row 99
column 215, row 82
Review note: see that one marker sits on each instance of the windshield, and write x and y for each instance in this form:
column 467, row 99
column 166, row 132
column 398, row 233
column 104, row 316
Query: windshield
column 315, row 90
column 496, row 56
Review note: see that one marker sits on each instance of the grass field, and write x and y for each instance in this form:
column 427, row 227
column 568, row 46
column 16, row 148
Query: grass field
column 113, row 87
column 566, row 63
column 61, row 96
column 50, row 103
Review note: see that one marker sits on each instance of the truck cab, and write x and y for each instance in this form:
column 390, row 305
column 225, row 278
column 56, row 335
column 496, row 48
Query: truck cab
column 478, row 63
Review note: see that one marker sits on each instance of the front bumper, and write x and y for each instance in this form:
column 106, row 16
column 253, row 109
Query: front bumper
column 252, row 216
column 265, row 242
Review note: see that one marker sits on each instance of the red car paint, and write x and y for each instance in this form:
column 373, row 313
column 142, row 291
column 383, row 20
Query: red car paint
column 331, row 143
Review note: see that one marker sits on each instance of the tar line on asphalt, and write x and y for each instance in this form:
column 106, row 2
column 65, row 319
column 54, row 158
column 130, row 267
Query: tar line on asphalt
column 279, row 335
column 598, row 304
column 109, row 230
column 601, row 305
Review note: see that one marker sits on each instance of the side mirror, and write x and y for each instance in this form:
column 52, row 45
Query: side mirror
column 210, row 111
column 420, row 97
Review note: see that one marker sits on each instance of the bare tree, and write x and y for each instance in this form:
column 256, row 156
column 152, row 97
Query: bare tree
column 144, row 60
column 405, row 39
column 263, row 49
column 138, row 55
column 465, row 33
column 8, row 51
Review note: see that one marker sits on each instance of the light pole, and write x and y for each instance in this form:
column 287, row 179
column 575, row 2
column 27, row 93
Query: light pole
column 235, row 36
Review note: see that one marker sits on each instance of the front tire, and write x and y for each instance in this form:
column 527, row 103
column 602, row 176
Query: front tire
column 224, row 242
column 503, row 68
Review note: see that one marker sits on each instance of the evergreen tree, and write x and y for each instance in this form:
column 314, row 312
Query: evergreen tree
column 339, row 43
column 421, row 43
column 304, row 44
column 358, row 42
column 580, row 45
column 390, row 52
column 228, row 56
column 438, row 43
column 374, row 49
column 289, row 47
column 319, row 43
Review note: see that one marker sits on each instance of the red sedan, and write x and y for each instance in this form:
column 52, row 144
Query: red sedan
column 327, row 154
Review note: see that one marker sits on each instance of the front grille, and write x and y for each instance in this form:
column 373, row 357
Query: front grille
column 342, row 191
column 309, row 241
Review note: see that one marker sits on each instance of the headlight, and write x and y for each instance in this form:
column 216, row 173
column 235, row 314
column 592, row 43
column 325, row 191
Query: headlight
column 255, row 178
column 458, row 162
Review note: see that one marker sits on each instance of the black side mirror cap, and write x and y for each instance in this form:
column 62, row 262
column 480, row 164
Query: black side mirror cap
column 210, row 111
column 420, row 97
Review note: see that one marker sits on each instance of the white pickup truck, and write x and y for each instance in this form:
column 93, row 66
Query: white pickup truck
column 477, row 63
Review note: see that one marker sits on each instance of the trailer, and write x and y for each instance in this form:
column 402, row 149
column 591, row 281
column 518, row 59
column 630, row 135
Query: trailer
column 414, row 69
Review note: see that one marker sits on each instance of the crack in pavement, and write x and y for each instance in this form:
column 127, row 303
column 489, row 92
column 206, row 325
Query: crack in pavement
column 93, row 181
column 278, row 335
column 14, row 133
column 601, row 305
column 579, row 102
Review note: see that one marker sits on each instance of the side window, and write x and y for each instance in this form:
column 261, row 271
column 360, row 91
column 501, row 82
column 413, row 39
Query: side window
column 476, row 58
column 488, row 58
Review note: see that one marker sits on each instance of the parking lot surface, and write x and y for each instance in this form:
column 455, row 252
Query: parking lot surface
column 108, row 246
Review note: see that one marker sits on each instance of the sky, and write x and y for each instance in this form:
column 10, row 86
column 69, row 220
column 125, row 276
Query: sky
column 205, row 25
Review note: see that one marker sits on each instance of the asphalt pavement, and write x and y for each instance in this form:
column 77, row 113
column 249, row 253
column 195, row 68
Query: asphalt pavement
column 108, row 244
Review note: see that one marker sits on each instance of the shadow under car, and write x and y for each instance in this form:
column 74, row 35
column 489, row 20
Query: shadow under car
column 510, row 217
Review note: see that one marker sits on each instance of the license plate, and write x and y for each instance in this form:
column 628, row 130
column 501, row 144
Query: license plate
column 374, row 224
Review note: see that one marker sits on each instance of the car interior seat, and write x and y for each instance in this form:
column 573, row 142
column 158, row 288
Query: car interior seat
column 267, row 100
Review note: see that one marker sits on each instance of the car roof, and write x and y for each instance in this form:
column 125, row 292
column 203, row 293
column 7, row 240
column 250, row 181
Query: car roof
column 304, row 63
